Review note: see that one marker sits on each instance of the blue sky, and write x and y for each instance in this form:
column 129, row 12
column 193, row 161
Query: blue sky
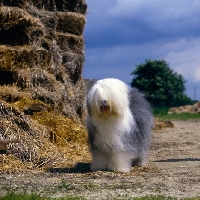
column 121, row 34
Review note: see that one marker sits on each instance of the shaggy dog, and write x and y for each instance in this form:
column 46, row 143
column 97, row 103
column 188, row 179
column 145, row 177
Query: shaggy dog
column 119, row 126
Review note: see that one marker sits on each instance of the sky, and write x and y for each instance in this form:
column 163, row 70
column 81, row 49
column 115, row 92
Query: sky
column 120, row 34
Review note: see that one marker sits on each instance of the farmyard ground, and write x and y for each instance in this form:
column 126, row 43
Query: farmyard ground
column 173, row 169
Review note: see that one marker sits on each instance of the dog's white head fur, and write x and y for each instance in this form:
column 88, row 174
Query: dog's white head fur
column 108, row 97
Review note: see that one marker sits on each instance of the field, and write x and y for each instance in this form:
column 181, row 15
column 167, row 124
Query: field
column 172, row 172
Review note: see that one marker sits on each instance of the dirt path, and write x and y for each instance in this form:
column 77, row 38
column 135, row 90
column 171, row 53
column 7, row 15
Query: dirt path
column 173, row 169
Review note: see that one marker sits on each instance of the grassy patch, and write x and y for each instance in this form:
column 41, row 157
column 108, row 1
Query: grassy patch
column 181, row 116
column 160, row 197
column 13, row 196
column 24, row 194
column 162, row 113
column 151, row 197
column 65, row 186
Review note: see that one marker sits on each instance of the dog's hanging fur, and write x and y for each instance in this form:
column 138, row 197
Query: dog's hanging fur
column 119, row 126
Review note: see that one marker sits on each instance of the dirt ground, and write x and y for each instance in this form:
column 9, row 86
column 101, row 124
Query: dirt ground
column 173, row 169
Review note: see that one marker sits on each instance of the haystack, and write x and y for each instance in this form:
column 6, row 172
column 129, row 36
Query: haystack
column 42, row 92
column 186, row 109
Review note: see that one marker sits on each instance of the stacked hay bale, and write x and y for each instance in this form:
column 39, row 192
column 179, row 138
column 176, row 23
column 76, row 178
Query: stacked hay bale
column 186, row 109
column 42, row 51
column 41, row 84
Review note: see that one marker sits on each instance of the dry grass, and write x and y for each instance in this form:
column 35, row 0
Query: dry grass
column 64, row 129
column 162, row 124
column 48, row 61
column 42, row 92
column 49, row 139
column 70, row 22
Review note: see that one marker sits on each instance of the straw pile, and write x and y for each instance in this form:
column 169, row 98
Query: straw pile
column 186, row 109
column 46, row 142
column 160, row 124
column 42, row 51
column 42, row 92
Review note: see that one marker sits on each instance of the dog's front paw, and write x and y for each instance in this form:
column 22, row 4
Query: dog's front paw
column 125, row 167
column 122, row 169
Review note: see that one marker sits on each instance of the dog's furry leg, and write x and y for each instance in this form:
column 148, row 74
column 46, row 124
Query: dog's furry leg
column 120, row 162
column 99, row 160
column 141, row 159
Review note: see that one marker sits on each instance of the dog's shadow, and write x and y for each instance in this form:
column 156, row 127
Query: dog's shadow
column 78, row 168
column 178, row 160
column 85, row 167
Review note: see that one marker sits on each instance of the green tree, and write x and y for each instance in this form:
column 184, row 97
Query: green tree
column 160, row 83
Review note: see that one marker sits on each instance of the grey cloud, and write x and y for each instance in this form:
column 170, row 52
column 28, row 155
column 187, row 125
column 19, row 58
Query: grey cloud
column 122, row 33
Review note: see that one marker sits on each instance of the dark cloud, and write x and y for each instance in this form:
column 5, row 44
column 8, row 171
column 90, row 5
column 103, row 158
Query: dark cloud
column 121, row 33
column 140, row 25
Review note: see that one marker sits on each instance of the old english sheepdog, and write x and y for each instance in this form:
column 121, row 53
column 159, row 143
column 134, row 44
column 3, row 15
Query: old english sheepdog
column 119, row 126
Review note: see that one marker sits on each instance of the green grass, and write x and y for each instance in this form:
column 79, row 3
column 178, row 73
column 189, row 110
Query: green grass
column 13, row 196
column 159, row 111
column 160, row 197
column 64, row 186
column 151, row 197
column 181, row 116
column 162, row 112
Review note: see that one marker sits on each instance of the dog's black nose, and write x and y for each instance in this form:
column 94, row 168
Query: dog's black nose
column 103, row 102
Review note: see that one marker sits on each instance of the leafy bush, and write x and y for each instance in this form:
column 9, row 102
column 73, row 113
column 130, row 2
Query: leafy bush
column 160, row 84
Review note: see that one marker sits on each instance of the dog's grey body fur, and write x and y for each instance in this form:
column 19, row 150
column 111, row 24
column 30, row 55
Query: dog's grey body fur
column 142, row 113
column 135, row 143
